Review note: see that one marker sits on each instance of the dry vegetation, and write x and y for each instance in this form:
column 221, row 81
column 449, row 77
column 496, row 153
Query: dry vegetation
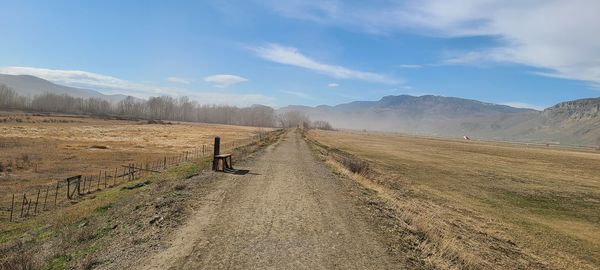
column 39, row 149
column 115, row 226
column 481, row 205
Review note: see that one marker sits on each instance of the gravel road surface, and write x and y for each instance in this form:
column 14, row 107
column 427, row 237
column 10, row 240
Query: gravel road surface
column 288, row 212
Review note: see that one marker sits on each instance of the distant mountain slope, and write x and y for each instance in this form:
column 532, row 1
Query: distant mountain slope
column 571, row 121
column 574, row 122
column 27, row 85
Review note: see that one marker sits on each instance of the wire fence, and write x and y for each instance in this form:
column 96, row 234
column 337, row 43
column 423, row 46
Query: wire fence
column 32, row 201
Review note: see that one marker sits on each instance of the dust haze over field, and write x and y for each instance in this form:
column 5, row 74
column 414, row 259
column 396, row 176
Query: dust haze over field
column 307, row 134
column 573, row 122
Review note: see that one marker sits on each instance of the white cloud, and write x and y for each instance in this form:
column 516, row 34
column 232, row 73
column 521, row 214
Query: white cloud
column 524, row 105
column 555, row 35
column 224, row 80
column 297, row 94
column 111, row 85
column 291, row 56
column 236, row 99
column 333, row 85
column 178, row 80
column 411, row 66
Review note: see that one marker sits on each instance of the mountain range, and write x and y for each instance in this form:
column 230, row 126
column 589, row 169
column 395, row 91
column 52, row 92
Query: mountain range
column 570, row 122
column 27, row 85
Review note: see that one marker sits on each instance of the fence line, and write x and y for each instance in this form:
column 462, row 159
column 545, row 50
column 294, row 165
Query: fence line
column 78, row 186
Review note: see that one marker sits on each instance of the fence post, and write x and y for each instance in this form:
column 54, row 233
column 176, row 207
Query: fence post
column 56, row 193
column 216, row 152
column 46, row 198
column 23, row 204
column 12, row 207
column 28, row 207
column 84, row 182
column 37, row 199
column 79, row 192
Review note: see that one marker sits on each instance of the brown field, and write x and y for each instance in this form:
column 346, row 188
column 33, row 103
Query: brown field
column 485, row 205
column 46, row 148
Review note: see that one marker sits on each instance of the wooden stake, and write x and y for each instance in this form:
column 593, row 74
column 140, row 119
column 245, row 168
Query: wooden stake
column 36, row 202
column 56, row 193
column 23, row 203
column 28, row 207
column 46, row 198
column 12, row 207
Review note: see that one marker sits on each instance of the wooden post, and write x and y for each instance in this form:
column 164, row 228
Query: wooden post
column 28, row 207
column 165, row 163
column 37, row 199
column 216, row 152
column 23, row 203
column 46, row 198
column 12, row 207
column 115, row 178
column 99, row 177
column 56, row 193
column 79, row 192
column 84, row 182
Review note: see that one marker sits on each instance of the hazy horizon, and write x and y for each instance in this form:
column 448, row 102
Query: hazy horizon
column 309, row 52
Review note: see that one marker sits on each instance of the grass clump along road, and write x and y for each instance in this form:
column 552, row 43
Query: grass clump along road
column 482, row 205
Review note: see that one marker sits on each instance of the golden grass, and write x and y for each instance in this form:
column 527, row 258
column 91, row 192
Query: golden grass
column 61, row 146
column 487, row 205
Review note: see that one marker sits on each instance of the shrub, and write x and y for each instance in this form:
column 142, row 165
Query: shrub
column 354, row 165
column 324, row 125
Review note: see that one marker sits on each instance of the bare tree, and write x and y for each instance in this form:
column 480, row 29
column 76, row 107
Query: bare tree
column 155, row 108
column 293, row 119
column 320, row 124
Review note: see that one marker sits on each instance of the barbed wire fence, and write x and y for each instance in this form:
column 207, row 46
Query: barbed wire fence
column 32, row 201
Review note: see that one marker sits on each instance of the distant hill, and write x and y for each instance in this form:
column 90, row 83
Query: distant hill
column 573, row 122
column 27, row 85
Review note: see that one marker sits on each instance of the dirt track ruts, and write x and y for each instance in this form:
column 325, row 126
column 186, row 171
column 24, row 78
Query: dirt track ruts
column 288, row 212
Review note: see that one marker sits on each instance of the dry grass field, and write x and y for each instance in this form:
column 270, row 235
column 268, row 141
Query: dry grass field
column 485, row 205
column 40, row 149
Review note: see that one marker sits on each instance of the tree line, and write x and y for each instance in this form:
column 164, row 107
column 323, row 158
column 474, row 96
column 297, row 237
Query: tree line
column 157, row 108
column 154, row 108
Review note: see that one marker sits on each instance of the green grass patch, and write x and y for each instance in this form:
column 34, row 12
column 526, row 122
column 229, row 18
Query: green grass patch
column 59, row 262
column 102, row 209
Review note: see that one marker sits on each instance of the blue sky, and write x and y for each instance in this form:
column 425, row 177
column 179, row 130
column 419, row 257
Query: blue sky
column 524, row 53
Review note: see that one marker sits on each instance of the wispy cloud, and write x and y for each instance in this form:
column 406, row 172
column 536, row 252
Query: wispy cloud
column 178, row 80
column 291, row 56
column 410, row 66
column 541, row 34
column 112, row 85
column 224, row 80
column 333, row 85
column 296, row 94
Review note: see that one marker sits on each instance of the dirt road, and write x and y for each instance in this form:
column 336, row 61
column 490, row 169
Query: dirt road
column 288, row 212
